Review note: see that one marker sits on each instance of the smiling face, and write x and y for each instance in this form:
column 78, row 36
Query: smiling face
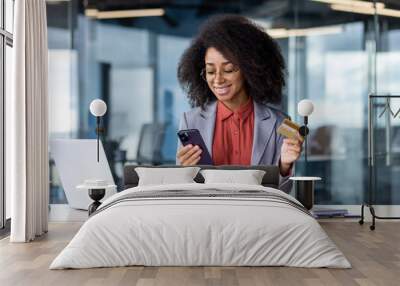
column 224, row 79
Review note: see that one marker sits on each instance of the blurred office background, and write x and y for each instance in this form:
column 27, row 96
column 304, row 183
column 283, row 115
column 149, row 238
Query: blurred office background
column 336, row 54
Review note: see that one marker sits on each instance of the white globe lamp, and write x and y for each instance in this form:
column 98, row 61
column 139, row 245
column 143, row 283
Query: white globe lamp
column 305, row 107
column 98, row 107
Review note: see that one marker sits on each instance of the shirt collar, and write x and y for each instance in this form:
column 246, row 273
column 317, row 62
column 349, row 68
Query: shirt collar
column 223, row 112
column 243, row 112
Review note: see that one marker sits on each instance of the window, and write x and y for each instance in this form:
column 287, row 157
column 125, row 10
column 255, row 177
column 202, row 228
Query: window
column 6, row 43
column 9, row 15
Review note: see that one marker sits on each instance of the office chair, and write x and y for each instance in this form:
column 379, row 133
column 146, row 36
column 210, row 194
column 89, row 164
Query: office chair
column 150, row 144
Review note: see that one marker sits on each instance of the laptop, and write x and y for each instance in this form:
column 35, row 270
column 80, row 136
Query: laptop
column 76, row 161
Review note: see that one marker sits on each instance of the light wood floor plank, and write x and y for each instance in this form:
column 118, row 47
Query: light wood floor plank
column 375, row 257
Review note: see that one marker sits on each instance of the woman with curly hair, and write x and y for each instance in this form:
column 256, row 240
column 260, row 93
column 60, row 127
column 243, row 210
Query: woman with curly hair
column 231, row 72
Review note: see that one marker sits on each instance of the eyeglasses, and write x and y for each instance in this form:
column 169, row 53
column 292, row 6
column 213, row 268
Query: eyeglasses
column 225, row 73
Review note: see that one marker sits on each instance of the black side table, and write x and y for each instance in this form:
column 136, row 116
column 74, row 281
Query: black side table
column 96, row 193
column 305, row 190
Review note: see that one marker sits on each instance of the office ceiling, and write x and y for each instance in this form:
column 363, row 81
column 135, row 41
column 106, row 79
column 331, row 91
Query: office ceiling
column 309, row 12
column 280, row 13
column 205, row 7
column 201, row 6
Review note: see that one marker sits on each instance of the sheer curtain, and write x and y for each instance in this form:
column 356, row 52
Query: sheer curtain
column 27, row 144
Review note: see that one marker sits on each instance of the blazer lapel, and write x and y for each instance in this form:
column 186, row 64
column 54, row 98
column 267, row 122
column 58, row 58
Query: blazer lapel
column 208, row 124
column 264, row 125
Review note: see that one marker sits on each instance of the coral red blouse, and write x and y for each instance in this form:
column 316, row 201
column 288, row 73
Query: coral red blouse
column 233, row 135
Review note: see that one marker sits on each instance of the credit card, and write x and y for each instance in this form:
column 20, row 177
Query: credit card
column 289, row 129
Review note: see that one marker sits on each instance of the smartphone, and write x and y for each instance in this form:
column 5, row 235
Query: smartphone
column 193, row 136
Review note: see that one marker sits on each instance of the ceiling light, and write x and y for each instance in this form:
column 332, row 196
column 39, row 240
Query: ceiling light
column 94, row 13
column 56, row 1
column 353, row 3
column 367, row 11
column 317, row 31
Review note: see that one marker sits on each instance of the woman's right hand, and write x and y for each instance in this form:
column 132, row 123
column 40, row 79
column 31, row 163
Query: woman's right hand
column 189, row 155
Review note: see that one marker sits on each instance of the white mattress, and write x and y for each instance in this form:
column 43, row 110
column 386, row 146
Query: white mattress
column 200, row 231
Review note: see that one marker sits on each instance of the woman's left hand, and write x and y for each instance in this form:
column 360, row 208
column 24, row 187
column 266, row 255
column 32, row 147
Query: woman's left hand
column 290, row 152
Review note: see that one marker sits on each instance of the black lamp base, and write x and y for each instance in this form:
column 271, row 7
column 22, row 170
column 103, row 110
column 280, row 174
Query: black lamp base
column 305, row 193
column 96, row 195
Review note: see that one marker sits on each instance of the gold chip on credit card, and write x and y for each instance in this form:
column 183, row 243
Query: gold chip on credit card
column 290, row 129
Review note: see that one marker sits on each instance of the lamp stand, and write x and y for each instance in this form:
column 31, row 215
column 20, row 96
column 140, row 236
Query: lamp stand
column 98, row 135
column 99, row 131
column 304, row 132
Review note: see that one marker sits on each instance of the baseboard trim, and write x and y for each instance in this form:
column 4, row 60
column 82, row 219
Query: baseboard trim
column 380, row 210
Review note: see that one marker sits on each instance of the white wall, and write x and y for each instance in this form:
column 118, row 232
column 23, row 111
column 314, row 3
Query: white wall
column 63, row 93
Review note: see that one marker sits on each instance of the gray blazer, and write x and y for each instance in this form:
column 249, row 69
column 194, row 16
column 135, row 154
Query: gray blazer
column 266, row 141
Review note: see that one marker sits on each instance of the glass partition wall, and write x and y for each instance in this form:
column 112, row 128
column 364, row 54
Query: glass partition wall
column 386, row 130
column 63, row 82
column 335, row 54
column 335, row 69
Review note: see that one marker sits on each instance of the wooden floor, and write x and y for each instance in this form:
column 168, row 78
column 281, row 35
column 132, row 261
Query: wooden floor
column 375, row 257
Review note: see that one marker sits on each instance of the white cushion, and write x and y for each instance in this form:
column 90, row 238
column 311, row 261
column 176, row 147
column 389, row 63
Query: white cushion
column 248, row 177
column 164, row 176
